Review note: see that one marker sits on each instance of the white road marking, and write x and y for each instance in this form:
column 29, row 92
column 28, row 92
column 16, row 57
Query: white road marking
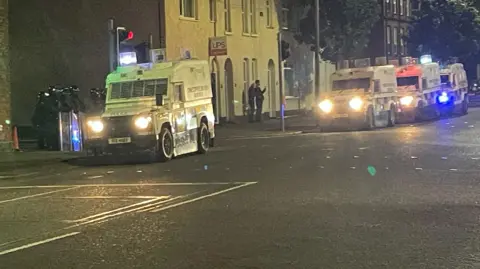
column 103, row 218
column 36, row 195
column 20, row 175
column 94, row 177
column 38, row 243
column 123, row 185
column 203, row 197
column 116, row 210
column 114, row 197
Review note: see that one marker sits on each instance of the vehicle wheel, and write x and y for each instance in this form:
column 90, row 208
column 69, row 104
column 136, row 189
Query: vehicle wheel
column 392, row 117
column 203, row 138
column 465, row 105
column 370, row 119
column 165, row 145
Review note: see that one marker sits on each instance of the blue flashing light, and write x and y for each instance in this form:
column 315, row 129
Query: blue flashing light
column 443, row 98
column 425, row 59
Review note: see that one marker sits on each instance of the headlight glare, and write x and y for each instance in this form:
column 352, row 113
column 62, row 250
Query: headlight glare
column 326, row 106
column 406, row 100
column 356, row 103
column 143, row 122
column 95, row 125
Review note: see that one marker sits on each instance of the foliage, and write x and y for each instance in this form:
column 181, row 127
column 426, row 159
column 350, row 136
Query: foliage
column 345, row 26
column 445, row 29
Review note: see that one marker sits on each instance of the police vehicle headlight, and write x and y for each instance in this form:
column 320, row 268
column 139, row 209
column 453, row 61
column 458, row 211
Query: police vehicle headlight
column 95, row 125
column 143, row 122
column 406, row 100
column 356, row 103
column 326, row 106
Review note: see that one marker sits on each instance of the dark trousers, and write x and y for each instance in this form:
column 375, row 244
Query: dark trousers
column 251, row 110
column 259, row 111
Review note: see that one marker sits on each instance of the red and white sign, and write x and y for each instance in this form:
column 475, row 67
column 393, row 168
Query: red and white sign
column 217, row 46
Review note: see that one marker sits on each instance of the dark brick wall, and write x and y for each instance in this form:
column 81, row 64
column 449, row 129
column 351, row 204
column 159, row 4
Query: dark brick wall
column 65, row 42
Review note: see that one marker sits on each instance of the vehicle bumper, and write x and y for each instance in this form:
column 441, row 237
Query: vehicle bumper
column 138, row 144
column 347, row 120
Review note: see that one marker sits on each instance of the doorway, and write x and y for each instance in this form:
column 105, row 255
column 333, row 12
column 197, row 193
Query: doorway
column 229, row 91
column 217, row 96
column 271, row 85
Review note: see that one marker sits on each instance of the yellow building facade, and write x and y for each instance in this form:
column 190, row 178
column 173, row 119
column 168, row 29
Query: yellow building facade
column 250, row 29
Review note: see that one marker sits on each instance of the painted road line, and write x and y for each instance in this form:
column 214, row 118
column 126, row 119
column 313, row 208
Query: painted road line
column 20, row 175
column 95, row 177
column 113, row 197
column 103, row 218
column 37, row 243
column 116, row 210
column 36, row 195
column 123, row 185
column 203, row 197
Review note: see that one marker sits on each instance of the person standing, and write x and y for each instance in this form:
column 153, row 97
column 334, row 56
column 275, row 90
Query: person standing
column 259, row 98
column 252, row 92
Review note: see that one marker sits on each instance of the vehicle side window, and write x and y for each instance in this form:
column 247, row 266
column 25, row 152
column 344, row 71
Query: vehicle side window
column 178, row 97
column 424, row 83
column 376, row 85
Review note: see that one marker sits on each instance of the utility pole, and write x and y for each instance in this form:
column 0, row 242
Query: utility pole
column 317, row 50
column 281, row 64
column 111, row 45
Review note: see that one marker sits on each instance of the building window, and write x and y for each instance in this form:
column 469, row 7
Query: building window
column 268, row 12
column 213, row 10
column 401, row 6
column 285, row 12
column 254, row 69
column 402, row 44
column 246, row 78
column 228, row 16
column 188, row 8
column 253, row 16
column 389, row 40
column 407, row 8
column 394, row 6
column 388, row 7
column 395, row 40
column 245, row 16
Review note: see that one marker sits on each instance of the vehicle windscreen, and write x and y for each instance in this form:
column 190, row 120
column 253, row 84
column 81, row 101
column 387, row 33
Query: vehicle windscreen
column 407, row 81
column 444, row 79
column 349, row 84
column 139, row 88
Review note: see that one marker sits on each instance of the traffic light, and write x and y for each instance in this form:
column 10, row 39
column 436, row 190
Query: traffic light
column 285, row 50
column 123, row 35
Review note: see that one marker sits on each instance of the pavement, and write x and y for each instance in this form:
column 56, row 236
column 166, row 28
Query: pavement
column 403, row 197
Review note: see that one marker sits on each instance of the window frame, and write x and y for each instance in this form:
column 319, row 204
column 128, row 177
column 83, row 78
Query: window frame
column 213, row 10
column 227, row 11
column 394, row 2
column 245, row 24
column 389, row 39
column 268, row 12
column 194, row 9
column 253, row 17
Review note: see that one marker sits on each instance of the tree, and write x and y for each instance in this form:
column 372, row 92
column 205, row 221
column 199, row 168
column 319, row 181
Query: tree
column 445, row 29
column 345, row 26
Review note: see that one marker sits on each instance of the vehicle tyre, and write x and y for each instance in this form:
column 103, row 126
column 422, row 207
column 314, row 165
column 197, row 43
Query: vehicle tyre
column 165, row 145
column 392, row 116
column 465, row 105
column 203, row 139
column 370, row 119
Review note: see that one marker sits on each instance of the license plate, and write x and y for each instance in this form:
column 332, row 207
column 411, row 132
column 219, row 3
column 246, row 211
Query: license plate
column 340, row 116
column 120, row 140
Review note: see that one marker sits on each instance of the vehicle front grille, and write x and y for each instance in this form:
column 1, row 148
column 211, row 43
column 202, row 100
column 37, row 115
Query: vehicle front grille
column 341, row 107
column 119, row 126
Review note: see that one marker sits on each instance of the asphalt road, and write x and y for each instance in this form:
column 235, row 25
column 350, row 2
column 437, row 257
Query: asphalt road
column 406, row 197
